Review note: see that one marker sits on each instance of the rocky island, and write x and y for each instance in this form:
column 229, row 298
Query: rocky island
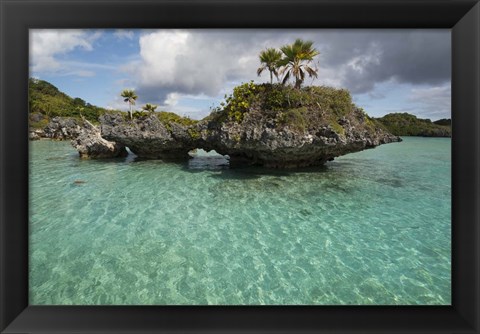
column 269, row 125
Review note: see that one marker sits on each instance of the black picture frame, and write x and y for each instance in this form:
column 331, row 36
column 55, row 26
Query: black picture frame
column 18, row 16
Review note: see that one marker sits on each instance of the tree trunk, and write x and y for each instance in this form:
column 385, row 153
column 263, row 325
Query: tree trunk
column 298, row 83
column 130, row 111
column 271, row 78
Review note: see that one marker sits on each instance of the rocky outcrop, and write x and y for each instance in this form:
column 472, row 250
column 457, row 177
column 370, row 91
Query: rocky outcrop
column 260, row 139
column 36, row 134
column 148, row 137
column 90, row 144
column 58, row 128
column 62, row 128
column 257, row 140
column 267, row 125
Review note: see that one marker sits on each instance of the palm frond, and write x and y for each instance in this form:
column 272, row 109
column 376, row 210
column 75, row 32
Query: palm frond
column 260, row 70
column 312, row 72
column 295, row 58
column 286, row 77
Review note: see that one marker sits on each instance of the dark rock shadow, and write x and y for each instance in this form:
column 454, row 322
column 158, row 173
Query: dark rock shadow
column 220, row 164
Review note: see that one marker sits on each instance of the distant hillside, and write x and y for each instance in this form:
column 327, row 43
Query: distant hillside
column 404, row 124
column 45, row 101
column 444, row 121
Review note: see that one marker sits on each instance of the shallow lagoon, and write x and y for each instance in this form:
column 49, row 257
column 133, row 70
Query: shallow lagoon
column 368, row 228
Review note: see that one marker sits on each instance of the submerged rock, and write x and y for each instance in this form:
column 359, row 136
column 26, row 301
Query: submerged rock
column 90, row 144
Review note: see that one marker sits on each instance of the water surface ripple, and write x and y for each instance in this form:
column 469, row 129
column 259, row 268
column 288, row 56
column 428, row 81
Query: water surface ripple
column 368, row 228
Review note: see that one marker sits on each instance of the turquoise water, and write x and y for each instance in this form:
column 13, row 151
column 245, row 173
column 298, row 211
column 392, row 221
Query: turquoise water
column 368, row 228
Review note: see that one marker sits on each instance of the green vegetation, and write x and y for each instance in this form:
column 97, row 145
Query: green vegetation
column 404, row 124
column 40, row 124
column 149, row 107
column 444, row 121
column 270, row 59
column 169, row 117
column 289, row 106
column 239, row 102
column 46, row 100
column 293, row 118
column 373, row 123
column 194, row 133
column 321, row 98
column 130, row 97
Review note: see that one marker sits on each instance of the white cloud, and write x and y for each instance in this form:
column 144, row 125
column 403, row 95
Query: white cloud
column 433, row 102
column 118, row 104
column 124, row 34
column 47, row 44
column 190, row 62
column 172, row 100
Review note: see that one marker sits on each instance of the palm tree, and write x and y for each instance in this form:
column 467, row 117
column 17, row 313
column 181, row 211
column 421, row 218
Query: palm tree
column 297, row 56
column 130, row 97
column 269, row 59
column 149, row 107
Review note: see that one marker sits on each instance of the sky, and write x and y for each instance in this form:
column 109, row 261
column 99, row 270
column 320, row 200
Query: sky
column 190, row 71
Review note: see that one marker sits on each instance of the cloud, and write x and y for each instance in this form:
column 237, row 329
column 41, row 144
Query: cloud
column 188, row 62
column 124, row 34
column 362, row 59
column 116, row 104
column 432, row 102
column 46, row 45
column 172, row 99
column 193, row 62
column 207, row 61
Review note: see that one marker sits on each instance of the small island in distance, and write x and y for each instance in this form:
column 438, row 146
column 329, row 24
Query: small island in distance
column 405, row 124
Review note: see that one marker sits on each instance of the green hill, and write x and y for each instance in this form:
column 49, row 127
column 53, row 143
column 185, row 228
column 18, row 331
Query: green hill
column 404, row 124
column 45, row 101
column 444, row 121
